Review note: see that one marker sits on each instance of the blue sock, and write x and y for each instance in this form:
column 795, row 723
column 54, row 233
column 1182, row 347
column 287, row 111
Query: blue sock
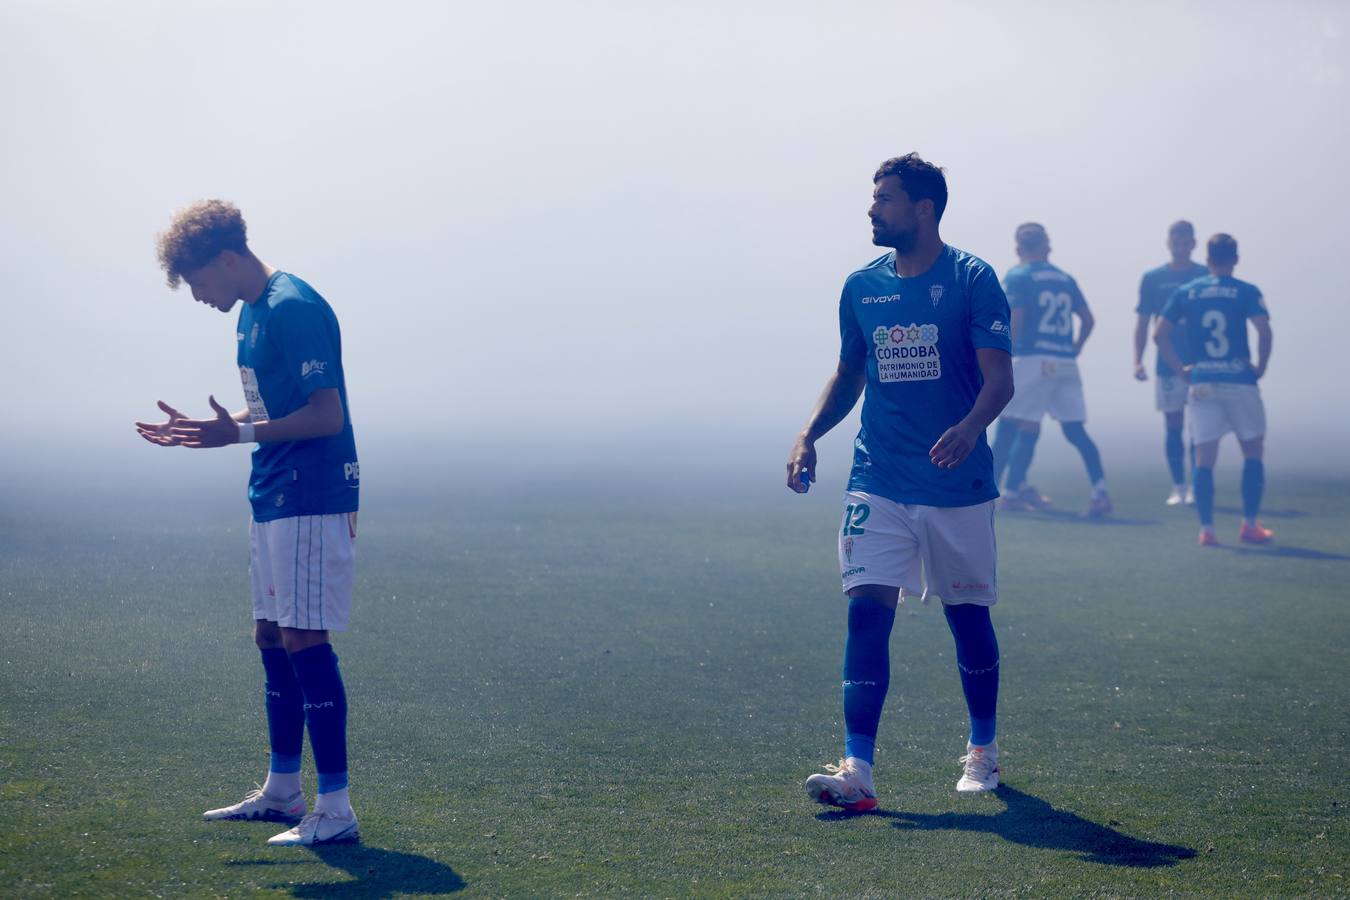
column 867, row 674
column 1077, row 435
column 1176, row 455
column 1204, row 494
column 1019, row 457
column 1253, row 485
column 977, row 660
column 285, row 705
column 1004, row 437
column 316, row 668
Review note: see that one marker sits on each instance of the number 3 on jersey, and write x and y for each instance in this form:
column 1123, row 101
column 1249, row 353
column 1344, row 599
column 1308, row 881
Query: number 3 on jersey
column 1216, row 324
column 854, row 517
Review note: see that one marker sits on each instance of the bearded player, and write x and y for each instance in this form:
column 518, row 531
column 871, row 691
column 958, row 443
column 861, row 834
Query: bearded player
column 1224, row 396
column 924, row 331
column 303, row 490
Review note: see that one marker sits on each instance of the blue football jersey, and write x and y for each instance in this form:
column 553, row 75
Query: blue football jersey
column 1215, row 311
column 1048, row 297
column 290, row 347
column 917, row 338
column 1155, row 289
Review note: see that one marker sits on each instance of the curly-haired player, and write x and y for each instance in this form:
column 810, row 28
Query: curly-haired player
column 303, row 489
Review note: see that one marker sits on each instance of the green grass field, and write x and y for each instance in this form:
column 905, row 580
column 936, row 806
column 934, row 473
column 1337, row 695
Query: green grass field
column 593, row 692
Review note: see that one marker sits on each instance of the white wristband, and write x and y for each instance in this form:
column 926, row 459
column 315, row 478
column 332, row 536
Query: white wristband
column 246, row 433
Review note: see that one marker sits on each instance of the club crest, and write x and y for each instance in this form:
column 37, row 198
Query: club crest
column 935, row 294
column 848, row 550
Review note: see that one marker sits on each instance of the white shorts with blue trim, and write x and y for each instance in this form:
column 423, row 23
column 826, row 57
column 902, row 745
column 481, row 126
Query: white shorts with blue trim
column 301, row 569
column 1218, row 408
column 1046, row 384
column 943, row 551
column 1169, row 393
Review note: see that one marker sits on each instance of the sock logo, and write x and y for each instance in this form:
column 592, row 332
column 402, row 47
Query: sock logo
column 859, row 683
column 327, row 704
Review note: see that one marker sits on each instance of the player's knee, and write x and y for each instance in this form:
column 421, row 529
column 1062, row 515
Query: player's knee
column 880, row 593
column 297, row 639
column 267, row 635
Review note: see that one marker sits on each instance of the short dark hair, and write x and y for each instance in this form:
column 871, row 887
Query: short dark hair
column 921, row 180
column 1223, row 249
column 1031, row 236
column 1181, row 226
column 198, row 234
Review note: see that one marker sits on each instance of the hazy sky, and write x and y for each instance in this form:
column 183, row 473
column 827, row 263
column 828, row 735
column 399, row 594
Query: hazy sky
column 559, row 222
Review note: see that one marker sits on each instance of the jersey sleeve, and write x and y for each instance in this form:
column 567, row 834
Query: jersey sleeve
column 1146, row 306
column 852, row 342
column 309, row 343
column 1079, row 301
column 989, row 312
column 1016, row 289
column 1256, row 304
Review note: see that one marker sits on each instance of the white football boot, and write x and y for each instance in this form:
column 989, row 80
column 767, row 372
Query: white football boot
column 847, row 786
column 319, row 827
column 258, row 805
column 1178, row 495
column 981, row 769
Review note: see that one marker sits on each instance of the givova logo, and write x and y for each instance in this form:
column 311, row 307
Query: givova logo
column 907, row 352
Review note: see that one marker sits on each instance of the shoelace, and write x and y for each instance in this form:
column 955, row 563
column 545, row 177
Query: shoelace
column 978, row 765
column 849, row 776
column 255, row 794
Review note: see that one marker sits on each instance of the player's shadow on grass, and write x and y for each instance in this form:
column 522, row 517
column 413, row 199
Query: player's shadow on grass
column 1285, row 552
column 1265, row 513
column 1067, row 515
column 1031, row 821
column 375, row 873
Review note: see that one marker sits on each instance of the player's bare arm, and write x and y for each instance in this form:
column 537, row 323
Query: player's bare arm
column 1264, row 340
column 320, row 417
column 1162, row 336
column 1085, row 326
column 1016, row 320
column 956, row 443
column 836, row 401
column 1140, row 342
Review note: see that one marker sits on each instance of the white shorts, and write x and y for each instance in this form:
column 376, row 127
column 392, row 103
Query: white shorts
column 1169, row 393
column 301, row 569
column 1217, row 409
column 1046, row 384
column 943, row 551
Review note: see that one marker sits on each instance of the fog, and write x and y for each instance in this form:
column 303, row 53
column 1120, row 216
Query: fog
column 614, row 234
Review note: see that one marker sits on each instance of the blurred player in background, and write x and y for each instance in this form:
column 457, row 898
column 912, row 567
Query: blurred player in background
column 924, row 329
column 1170, row 389
column 1214, row 311
column 1045, row 300
column 303, row 490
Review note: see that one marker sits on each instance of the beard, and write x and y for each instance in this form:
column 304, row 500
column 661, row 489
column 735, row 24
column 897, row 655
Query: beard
column 901, row 241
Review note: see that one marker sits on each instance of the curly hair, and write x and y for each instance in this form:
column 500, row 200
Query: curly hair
column 198, row 234
column 920, row 179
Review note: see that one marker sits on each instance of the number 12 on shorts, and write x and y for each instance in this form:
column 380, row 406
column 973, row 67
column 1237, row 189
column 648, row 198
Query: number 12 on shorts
column 854, row 517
